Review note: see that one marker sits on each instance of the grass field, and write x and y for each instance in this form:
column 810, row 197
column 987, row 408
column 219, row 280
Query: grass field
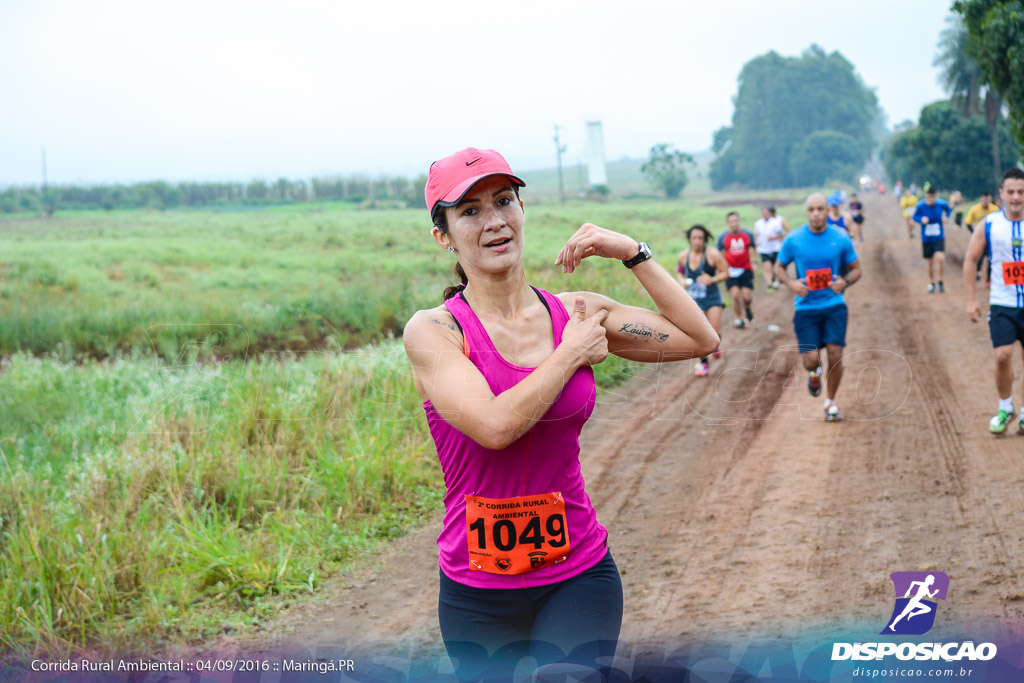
column 96, row 284
column 182, row 433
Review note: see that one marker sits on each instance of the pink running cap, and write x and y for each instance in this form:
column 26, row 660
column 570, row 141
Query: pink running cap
column 450, row 178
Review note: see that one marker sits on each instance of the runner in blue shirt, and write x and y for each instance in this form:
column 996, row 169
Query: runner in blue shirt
column 929, row 214
column 820, row 253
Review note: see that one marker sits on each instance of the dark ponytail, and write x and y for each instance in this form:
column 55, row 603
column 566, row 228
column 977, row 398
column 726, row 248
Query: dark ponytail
column 452, row 290
column 441, row 223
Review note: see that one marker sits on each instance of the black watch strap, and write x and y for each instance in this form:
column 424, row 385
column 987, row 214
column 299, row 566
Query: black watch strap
column 643, row 255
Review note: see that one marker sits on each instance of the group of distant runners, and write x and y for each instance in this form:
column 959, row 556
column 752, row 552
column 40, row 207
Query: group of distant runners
column 928, row 216
column 826, row 264
column 995, row 234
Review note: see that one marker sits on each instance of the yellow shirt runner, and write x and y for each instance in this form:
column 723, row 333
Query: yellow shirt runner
column 977, row 212
column 908, row 203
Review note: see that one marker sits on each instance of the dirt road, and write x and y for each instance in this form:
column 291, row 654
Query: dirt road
column 736, row 511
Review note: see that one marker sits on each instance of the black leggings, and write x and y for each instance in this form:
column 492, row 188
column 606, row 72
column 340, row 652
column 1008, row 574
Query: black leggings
column 572, row 625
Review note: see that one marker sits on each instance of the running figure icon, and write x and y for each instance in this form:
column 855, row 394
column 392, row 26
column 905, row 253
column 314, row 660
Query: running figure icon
column 916, row 607
column 917, row 600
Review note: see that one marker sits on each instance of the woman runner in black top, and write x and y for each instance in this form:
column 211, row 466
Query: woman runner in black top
column 700, row 269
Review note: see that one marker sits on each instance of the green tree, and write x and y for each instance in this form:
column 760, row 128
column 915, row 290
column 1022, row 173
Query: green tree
column 947, row 149
column 51, row 201
column 413, row 195
column 723, row 170
column 962, row 77
column 824, row 155
column 666, row 169
column 780, row 102
column 901, row 159
column 256, row 191
column 721, row 139
column 959, row 73
column 995, row 31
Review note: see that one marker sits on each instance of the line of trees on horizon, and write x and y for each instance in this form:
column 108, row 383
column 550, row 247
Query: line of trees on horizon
column 389, row 191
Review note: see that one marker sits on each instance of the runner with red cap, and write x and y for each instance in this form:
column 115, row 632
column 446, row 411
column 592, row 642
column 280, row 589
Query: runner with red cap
column 505, row 373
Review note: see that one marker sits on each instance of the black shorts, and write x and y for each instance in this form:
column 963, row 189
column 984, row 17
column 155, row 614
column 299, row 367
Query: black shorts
column 574, row 622
column 744, row 280
column 1005, row 325
column 858, row 219
column 769, row 257
column 929, row 249
column 959, row 218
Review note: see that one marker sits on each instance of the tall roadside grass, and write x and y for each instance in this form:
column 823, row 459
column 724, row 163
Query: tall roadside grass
column 146, row 503
column 142, row 504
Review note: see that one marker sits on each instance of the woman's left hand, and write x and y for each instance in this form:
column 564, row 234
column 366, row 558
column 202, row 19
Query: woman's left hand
column 591, row 240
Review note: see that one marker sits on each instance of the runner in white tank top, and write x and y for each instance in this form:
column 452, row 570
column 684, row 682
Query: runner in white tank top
column 1002, row 239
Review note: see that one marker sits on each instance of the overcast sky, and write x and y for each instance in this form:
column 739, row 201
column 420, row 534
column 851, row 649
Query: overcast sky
column 128, row 90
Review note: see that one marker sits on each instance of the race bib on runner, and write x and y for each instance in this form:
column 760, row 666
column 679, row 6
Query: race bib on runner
column 736, row 272
column 933, row 229
column 698, row 291
column 819, row 278
column 1013, row 272
column 516, row 535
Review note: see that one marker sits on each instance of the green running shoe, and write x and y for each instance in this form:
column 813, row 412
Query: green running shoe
column 998, row 424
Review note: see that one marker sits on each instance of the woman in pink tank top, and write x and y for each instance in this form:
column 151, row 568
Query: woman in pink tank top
column 505, row 373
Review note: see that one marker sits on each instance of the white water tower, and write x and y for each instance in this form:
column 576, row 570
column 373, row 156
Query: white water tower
column 595, row 148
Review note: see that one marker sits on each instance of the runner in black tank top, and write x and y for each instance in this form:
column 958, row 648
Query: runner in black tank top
column 701, row 281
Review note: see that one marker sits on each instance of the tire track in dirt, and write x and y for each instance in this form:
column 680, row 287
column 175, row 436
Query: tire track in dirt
column 679, row 402
column 931, row 378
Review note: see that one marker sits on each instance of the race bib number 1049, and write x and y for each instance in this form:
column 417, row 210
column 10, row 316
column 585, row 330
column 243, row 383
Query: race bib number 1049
column 516, row 535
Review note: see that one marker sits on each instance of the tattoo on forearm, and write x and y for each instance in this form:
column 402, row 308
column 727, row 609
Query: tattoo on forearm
column 441, row 322
column 641, row 331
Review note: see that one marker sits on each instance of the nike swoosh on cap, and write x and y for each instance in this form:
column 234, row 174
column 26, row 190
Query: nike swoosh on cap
column 470, row 163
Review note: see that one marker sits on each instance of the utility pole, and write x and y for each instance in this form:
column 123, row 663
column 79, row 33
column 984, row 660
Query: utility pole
column 559, row 149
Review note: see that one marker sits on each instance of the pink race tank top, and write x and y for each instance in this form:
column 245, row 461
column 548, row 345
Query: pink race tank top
column 544, row 460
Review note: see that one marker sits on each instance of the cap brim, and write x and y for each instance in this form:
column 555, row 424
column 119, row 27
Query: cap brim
column 456, row 194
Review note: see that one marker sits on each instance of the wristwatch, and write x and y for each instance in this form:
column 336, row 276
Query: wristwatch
column 645, row 253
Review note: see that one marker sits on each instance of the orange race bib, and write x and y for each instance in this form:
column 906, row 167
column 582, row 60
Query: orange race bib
column 1013, row 272
column 516, row 535
column 819, row 278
